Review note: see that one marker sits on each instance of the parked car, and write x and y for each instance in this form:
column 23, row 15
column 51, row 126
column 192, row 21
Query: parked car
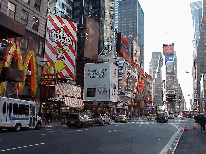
column 122, row 118
column 101, row 119
column 151, row 116
column 171, row 116
column 75, row 119
column 161, row 117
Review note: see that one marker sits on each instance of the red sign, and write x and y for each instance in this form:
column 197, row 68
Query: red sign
column 48, row 79
column 168, row 49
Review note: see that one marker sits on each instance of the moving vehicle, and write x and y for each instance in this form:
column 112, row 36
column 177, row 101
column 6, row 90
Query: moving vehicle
column 171, row 116
column 122, row 118
column 151, row 116
column 161, row 117
column 77, row 120
column 101, row 119
column 18, row 114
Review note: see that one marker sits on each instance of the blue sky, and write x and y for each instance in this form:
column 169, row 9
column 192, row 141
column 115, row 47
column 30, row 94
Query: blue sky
column 165, row 22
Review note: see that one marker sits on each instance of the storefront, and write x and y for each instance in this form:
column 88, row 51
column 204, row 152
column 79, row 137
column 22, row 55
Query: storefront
column 59, row 98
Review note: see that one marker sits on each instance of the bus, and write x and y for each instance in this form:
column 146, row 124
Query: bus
column 18, row 114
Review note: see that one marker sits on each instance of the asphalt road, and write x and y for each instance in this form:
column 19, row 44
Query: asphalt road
column 140, row 136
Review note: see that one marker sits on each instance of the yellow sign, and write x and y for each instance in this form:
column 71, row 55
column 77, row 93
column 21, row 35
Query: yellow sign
column 22, row 65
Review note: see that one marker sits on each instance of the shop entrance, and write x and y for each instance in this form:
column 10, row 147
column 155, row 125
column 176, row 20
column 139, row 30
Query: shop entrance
column 51, row 107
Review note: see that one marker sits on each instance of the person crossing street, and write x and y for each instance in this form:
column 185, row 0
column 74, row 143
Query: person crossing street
column 202, row 123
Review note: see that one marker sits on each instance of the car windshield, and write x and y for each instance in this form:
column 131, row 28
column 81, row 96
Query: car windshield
column 121, row 116
column 73, row 116
column 171, row 114
column 151, row 114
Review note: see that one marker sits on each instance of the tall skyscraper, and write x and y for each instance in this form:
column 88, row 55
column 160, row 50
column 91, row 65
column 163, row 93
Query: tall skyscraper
column 154, row 63
column 131, row 23
column 196, row 11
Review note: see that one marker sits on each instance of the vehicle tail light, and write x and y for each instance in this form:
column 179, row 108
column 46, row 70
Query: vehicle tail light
column 66, row 121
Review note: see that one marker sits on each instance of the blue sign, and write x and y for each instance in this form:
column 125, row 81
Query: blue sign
column 168, row 58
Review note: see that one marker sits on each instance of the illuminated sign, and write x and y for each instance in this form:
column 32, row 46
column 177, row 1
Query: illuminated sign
column 15, row 51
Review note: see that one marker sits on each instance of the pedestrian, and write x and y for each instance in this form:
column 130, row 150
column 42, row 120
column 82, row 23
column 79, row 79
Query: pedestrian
column 47, row 118
column 51, row 116
column 202, row 123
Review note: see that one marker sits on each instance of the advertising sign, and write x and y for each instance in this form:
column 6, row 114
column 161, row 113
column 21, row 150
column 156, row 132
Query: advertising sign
column 168, row 49
column 170, row 67
column 60, row 45
column 170, row 83
column 168, row 58
column 136, row 52
column 14, row 52
column 113, row 82
column 101, row 82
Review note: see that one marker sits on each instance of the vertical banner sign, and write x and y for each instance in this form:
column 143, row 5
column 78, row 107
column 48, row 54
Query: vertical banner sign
column 60, row 46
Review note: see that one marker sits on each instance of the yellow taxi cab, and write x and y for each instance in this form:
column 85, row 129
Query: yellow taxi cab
column 151, row 116
column 122, row 118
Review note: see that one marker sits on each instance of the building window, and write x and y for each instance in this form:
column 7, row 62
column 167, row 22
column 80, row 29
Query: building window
column 11, row 10
column 33, row 43
column 35, row 23
column 41, row 43
column 26, row 1
column 24, row 17
column 76, row 4
column 52, row 1
column 37, row 4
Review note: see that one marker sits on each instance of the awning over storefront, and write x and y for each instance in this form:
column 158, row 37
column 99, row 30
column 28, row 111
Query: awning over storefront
column 10, row 28
column 68, row 90
column 73, row 102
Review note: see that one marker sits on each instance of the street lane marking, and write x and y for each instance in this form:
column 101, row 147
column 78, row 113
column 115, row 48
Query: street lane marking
column 21, row 147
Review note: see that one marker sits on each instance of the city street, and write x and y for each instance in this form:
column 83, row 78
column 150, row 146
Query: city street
column 137, row 136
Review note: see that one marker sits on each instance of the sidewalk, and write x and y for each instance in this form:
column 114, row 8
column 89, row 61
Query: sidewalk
column 52, row 124
column 192, row 141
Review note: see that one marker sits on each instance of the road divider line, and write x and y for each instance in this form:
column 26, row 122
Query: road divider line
column 22, row 147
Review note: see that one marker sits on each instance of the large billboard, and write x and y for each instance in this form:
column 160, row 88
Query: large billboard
column 136, row 53
column 168, row 58
column 60, row 46
column 169, row 67
column 170, row 84
column 168, row 49
column 91, row 39
column 101, row 81
column 122, row 46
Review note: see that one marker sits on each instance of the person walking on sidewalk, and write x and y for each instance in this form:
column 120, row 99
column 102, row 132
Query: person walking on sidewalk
column 202, row 123
column 47, row 118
